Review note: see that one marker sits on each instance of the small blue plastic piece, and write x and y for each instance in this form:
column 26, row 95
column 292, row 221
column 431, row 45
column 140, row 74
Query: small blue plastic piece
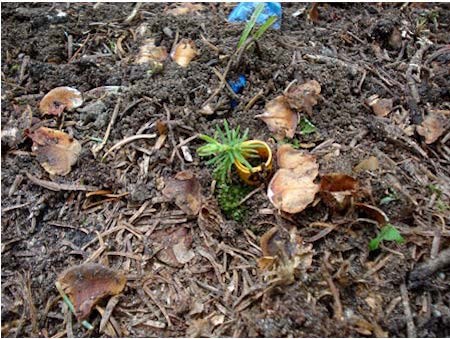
column 243, row 12
column 238, row 85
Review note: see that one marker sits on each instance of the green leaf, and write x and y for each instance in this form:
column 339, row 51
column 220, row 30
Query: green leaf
column 374, row 243
column 387, row 199
column 390, row 233
column 269, row 22
column 387, row 233
column 250, row 24
column 306, row 127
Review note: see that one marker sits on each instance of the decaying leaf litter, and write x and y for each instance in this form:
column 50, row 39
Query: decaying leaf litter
column 195, row 271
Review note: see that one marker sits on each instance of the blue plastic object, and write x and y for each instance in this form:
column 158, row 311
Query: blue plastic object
column 238, row 85
column 243, row 12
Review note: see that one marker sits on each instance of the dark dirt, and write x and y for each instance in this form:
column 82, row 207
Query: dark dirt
column 45, row 231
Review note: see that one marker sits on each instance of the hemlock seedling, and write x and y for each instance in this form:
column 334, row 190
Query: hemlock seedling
column 388, row 233
column 226, row 147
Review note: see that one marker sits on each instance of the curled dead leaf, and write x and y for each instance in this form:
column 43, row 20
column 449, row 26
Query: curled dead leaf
column 373, row 213
column 184, row 52
column 184, row 188
column 369, row 164
column 185, row 8
column 280, row 118
column 303, row 97
column 148, row 53
column 381, row 107
column 56, row 151
column 313, row 13
column 87, row 284
column 60, row 98
column 431, row 128
column 337, row 190
column 175, row 244
column 284, row 253
column 292, row 188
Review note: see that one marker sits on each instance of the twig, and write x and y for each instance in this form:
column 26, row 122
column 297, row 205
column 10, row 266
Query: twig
column 333, row 61
column 133, row 13
column 410, row 327
column 69, row 46
column 98, row 148
column 414, row 65
column 253, row 100
column 423, row 272
column 127, row 140
column 53, row 186
column 209, row 44
column 338, row 313
column 108, row 311
column 248, row 196
column 79, row 49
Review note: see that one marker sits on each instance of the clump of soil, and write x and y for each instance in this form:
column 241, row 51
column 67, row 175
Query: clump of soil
column 198, row 276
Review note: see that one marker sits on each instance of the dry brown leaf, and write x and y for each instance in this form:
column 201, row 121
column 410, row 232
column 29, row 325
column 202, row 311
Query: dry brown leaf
column 313, row 13
column 373, row 213
column 381, row 107
column 59, row 98
column 87, row 284
column 431, row 128
column 292, row 188
column 185, row 190
column 56, row 151
column 280, row 118
column 184, row 52
column 303, row 97
column 369, row 164
column 148, row 52
column 337, row 190
column 175, row 244
column 185, row 8
column 283, row 254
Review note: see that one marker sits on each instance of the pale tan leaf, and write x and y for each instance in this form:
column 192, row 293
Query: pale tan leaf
column 280, row 118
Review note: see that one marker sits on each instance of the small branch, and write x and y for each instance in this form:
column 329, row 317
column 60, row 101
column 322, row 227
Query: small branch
column 53, row 186
column 410, row 327
column 127, row 140
column 98, row 148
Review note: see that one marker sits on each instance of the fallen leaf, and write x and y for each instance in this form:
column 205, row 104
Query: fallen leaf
column 369, row 164
column 280, row 118
column 337, row 190
column 313, row 13
column 149, row 52
column 184, row 52
column 292, row 188
column 381, row 107
column 185, row 190
column 60, row 98
column 87, row 284
column 284, row 253
column 431, row 128
column 175, row 246
column 373, row 213
column 56, row 151
column 303, row 97
column 185, row 8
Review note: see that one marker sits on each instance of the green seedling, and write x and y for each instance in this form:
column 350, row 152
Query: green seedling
column 227, row 147
column 306, row 126
column 249, row 27
column 387, row 233
column 229, row 197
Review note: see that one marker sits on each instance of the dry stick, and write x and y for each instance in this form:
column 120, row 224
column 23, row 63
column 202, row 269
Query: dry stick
column 69, row 46
column 127, row 140
column 227, row 85
column 79, row 49
column 161, row 307
column 133, row 13
column 335, row 292
column 108, row 311
column 414, row 65
column 98, row 148
column 222, row 83
column 410, row 327
column 53, row 186
column 248, row 196
column 424, row 271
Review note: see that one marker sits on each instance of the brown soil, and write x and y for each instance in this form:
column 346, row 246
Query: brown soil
column 346, row 291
